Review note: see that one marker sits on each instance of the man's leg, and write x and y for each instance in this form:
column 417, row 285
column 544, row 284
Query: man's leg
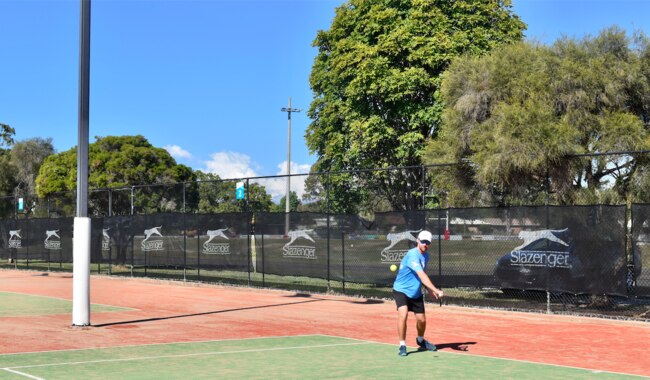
column 402, row 303
column 421, row 323
column 402, row 316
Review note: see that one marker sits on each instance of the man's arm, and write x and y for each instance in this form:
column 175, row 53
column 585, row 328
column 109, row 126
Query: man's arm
column 435, row 292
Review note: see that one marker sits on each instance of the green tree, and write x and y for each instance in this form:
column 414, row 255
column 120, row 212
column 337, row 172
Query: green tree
column 7, row 184
column 27, row 156
column 314, row 198
column 515, row 117
column 7, row 171
column 375, row 80
column 119, row 161
column 6, row 135
column 294, row 204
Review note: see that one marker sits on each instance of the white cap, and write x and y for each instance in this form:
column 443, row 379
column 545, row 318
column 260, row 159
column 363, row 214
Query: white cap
column 424, row 235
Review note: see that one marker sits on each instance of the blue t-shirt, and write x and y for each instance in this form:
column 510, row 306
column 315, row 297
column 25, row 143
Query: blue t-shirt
column 407, row 281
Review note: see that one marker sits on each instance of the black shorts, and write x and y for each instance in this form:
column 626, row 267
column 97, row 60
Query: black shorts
column 415, row 305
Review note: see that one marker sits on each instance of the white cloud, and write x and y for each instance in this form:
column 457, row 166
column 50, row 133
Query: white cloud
column 230, row 165
column 277, row 187
column 178, row 152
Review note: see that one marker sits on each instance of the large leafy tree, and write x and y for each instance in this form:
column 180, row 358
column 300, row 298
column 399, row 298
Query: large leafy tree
column 119, row 161
column 515, row 119
column 375, row 81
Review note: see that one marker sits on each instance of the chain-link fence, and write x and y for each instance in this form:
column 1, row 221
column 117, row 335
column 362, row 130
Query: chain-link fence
column 345, row 229
column 557, row 259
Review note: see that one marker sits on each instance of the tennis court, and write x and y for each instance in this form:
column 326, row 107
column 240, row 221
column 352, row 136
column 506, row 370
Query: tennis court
column 302, row 357
column 146, row 329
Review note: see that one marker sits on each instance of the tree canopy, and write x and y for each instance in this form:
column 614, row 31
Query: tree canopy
column 376, row 78
column 6, row 135
column 7, row 171
column 27, row 156
column 517, row 117
column 118, row 161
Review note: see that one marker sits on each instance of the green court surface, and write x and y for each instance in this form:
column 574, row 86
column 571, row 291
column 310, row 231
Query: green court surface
column 20, row 304
column 298, row 357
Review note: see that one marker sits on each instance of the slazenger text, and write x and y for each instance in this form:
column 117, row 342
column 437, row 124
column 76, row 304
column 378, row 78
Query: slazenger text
column 300, row 252
column 154, row 245
column 216, row 248
column 392, row 256
column 53, row 244
column 540, row 259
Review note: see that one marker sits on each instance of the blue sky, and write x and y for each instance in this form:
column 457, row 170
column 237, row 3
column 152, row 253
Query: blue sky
column 204, row 79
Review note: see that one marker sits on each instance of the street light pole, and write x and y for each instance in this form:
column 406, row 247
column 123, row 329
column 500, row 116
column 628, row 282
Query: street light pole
column 82, row 223
column 287, row 198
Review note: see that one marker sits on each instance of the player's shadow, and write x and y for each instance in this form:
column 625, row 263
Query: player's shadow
column 459, row 346
column 463, row 346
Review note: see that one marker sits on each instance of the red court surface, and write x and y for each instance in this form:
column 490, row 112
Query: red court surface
column 168, row 312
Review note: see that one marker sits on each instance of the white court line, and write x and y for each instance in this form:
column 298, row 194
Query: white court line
column 500, row 358
column 177, row 342
column 185, row 355
column 22, row 374
column 69, row 300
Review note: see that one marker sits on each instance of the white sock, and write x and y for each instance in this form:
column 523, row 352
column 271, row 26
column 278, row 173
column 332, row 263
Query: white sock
column 402, row 343
column 420, row 339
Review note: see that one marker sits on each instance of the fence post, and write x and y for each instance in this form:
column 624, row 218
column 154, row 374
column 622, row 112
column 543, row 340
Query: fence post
column 185, row 238
column 263, row 268
column 184, row 196
column 327, row 211
column 424, row 201
column 343, row 260
column 250, row 228
column 198, row 256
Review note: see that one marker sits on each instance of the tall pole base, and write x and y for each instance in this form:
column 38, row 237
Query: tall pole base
column 81, row 272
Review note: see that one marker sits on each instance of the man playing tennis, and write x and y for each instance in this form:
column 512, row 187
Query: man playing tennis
column 407, row 291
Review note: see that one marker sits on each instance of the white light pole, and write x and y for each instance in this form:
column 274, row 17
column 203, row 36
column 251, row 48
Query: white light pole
column 287, row 198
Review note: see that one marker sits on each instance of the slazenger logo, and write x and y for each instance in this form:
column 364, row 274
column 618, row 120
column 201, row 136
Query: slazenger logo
column 106, row 240
column 210, row 248
column 52, row 243
column 540, row 258
column 15, row 239
column 154, row 244
column 299, row 251
column 395, row 256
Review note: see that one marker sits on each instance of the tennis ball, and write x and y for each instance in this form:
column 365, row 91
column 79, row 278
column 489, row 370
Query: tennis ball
column 393, row 268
